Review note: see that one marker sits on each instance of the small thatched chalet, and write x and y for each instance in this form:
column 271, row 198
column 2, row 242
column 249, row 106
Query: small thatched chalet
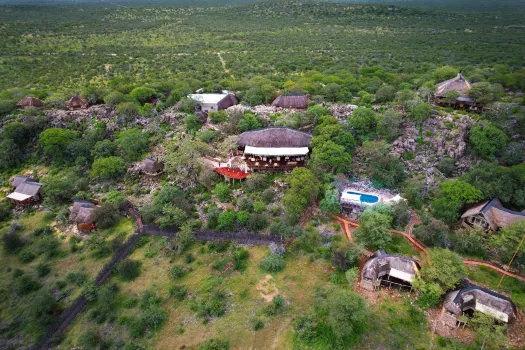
column 390, row 270
column 26, row 193
column 274, row 148
column 491, row 216
column 76, row 102
column 472, row 298
column 214, row 102
column 83, row 214
column 30, row 101
column 461, row 86
column 295, row 101
column 151, row 167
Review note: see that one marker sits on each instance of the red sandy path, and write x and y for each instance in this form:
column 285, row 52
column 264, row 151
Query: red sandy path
column 348, row 226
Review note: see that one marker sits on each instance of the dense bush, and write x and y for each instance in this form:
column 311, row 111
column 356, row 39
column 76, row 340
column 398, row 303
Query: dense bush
column 128, row 269
column 273, row 263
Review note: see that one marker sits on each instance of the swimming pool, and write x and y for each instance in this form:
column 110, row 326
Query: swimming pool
column 364, row 198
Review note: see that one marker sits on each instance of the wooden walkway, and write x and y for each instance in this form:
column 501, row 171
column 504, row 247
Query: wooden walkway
column 348, row 226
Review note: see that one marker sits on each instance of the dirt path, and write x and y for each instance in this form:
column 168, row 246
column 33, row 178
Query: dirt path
column 349, row 225
column 223, row 62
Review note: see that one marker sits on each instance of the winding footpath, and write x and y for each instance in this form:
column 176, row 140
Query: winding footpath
column 349, row 226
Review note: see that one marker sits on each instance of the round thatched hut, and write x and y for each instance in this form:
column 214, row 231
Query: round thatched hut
column 296, row 101
column 459, row 84
column 30, row 101
column 76, row 102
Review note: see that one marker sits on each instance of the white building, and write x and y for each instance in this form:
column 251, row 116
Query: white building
column 214, row 102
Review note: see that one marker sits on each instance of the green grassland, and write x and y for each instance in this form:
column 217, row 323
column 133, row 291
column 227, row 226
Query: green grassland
column 68, row 47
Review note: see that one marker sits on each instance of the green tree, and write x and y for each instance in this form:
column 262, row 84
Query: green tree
column 374, row 229
column 142, row 94
column 330, row 204
column 249, row 122
column 385, row 94
column 441, row 270
column 387, row 171
column 363, row 122
column 451, row 198
column 114, row 98
column 420, row 112
column 109, row 168
column 507, row 241
column 104, row 149
column 126, row 112
column 193, row 123
column 389, row 124
column 55, row 143
column 347, row 314
column 330, row 157
column 303, row 189
column 172, row 216
column 17, row 132
column 133, row 143
column 487, row 141
column 10, row 156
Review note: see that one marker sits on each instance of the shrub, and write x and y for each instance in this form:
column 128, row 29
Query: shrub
column 240, row 259
column 12, row 241
column 273, row 263
column 219, row 246
column 77, row 278
column 259, row 206
column 26, row 284
column 257, row 222
column 218, row 117
column 223, row 192
column 128, row 269
column 214, row 305
column 5, row 210
column 177, row 271
column 227, row 220
column 277, row 306
column 109, row 168
column 268, row 195
column 206, row 136
column 178, row 292
column 243, row 217
column 215, row 344
column 26, row 256
column 47, row 245
column 258, row 325
column 42, row 270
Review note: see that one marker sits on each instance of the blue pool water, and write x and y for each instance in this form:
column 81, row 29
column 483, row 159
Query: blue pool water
column 366, row 198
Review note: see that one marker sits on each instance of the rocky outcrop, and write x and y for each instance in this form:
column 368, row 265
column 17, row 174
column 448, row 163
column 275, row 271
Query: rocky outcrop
column 342, row 111
column 439, row 137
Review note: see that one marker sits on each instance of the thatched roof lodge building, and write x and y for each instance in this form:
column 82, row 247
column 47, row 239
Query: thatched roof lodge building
column 474, row 298
column 30, row 101
column 214, row 102
column 491, row 216
column 390, row 270
column 274, row 148
column 82, row 212
column 26, row 193
column 76, row 102
column 151, row 167
column 295, row 101
column 460, row 85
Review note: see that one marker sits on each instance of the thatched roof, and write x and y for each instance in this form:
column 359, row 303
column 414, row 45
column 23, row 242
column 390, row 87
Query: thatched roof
column 274, row 137
column 151, row 166
column 397, row 266
column 496, row 215
column 77, row 102
column 30, row 101
column 29, row 188
column 477, row 298
column 17, row 180
column 80, row 203
column 292, row 101
column 459, row 84
column 85, row 216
